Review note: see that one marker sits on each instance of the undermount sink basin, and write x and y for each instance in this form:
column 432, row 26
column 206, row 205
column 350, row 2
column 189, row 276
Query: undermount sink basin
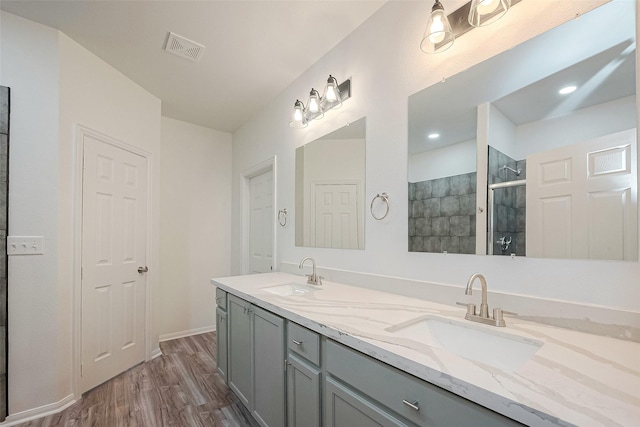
column 485, row 344
column 290, row 289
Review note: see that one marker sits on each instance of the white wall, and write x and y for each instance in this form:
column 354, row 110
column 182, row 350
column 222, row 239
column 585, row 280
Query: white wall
column 57, row 84
column 502, row 132
column 194, row 224
column 588, row 123
column 455, row 159
column 39, row 308
column 380, row 88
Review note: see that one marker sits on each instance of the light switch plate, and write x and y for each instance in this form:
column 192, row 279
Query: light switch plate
column 25, row 245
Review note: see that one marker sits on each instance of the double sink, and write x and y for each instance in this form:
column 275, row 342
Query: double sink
column 488, row 345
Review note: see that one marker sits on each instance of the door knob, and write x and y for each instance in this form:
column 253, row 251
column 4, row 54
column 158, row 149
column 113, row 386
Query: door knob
column 143, row 269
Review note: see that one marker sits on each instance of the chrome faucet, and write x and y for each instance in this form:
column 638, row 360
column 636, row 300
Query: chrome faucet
column 313, row 278
column 484, row 307
column 483, row 317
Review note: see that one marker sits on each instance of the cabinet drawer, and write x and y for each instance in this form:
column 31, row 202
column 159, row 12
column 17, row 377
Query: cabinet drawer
column 221, row 299
column 398, row 390
column 303, row 342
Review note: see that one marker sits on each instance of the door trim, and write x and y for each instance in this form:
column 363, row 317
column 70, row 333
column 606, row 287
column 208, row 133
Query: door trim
column 245, row 192
column 80, row 132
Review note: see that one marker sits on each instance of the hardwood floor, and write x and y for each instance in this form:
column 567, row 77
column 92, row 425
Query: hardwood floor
column 179, row 388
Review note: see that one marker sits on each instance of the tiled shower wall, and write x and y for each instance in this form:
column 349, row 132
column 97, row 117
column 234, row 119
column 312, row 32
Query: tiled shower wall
column 442, row 215
column 4, row 191
column 509, row 204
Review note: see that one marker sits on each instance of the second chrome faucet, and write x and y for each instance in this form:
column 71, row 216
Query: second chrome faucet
column 483, row 316
column 313, row 278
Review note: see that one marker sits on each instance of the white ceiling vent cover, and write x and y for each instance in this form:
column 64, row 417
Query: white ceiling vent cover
column 184, row 47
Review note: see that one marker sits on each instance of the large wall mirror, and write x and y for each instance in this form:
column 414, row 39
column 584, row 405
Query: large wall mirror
column 553, row 123
column 330, row 179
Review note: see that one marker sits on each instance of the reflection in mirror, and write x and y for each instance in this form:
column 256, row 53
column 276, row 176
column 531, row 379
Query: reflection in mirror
column 561, row 176
column 330, row 177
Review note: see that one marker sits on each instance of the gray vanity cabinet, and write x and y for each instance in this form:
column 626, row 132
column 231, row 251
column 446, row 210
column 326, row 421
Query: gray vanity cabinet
column 370, row 389
column 256, row 361
column 221, row 334
column 303, row 377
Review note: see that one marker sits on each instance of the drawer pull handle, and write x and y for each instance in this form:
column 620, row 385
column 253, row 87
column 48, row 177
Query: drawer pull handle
column 297, row 342
column 413, row 405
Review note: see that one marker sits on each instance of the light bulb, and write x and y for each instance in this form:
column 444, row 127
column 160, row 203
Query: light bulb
column 331, row 94
column 487, row 6
column 436, row 33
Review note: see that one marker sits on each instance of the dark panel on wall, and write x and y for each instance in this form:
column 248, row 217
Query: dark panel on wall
column 4, row 198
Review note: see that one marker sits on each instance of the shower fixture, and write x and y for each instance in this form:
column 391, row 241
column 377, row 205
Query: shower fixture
column 517, row 172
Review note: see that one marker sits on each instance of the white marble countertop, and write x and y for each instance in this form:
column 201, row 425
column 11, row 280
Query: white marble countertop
column 574, row 378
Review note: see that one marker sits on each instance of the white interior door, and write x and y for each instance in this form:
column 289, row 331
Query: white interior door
column 335, row 216
column 114, row 203
column 261, row 223
column 582, row 200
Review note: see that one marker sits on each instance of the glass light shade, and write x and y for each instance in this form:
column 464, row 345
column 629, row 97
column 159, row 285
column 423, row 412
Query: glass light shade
column 331, row 97
column 297, row 117
column 484, row 12
column 314, row 109
column 438, row 36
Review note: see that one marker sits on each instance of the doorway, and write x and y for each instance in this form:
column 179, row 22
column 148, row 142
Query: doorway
column 258, row 211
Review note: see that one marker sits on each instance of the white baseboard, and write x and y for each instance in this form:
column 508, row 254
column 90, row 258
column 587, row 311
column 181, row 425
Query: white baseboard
column 174, row 335
column 156, row 353
column 42, row 411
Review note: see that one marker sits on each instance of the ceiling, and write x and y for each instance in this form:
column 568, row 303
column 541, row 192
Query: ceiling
column 253, row 49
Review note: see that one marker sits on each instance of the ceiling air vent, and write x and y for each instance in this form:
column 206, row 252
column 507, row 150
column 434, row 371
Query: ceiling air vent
column 184, row 47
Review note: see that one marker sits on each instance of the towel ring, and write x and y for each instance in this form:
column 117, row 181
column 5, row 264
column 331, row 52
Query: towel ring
column 282, row 217
column 385, row 199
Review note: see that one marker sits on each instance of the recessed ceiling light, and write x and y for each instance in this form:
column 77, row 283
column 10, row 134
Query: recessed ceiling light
column 433, row 135
column 567, row 89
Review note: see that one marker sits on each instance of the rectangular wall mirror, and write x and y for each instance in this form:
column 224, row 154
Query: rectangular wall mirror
column 330, row 179
column 554, row 122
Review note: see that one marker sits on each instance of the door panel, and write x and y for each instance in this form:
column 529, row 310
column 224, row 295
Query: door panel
column 268, row 368
column 335, row 216
column 582, row 200
column 113, row 247
column 239, row 363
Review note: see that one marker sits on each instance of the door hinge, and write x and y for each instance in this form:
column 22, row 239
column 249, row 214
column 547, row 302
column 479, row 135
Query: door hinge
column 81, row 369
column 81, row 273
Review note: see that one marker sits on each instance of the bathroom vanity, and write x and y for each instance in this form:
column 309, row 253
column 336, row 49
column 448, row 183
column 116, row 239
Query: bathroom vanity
column 339, row 355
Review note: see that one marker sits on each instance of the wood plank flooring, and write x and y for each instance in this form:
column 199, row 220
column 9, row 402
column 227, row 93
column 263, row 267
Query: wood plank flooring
column 179, row 388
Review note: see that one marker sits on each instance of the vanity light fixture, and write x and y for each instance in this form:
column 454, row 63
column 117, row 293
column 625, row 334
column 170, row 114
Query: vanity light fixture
column 434, row 135
column 442, row 30
column 334, row 95
column 438, row 36
column 484, row 12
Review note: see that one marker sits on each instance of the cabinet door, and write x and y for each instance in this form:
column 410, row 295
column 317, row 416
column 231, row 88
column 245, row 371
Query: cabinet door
column 268, row 368
column 240, row 350
column 345, row 408
column 221, row 345
column 303, row 394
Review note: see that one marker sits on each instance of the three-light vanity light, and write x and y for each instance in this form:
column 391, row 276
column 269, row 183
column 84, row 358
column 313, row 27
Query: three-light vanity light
column 440, row 34
column 333, row 96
